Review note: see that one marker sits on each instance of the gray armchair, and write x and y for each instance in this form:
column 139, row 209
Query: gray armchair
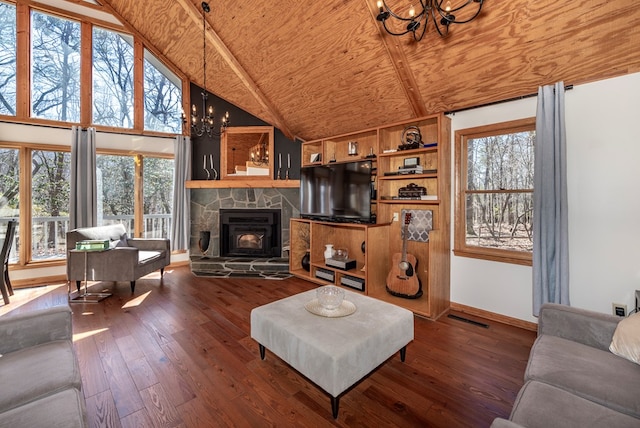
column 126, row 260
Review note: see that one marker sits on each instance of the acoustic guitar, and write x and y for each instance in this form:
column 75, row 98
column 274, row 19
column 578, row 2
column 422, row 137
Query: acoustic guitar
column 402, row 281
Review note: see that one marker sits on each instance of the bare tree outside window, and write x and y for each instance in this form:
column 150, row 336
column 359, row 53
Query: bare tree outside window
column 158, row 197
column 50, row 172
column 7, row 59
column 162, row 97
column 116, row 190
column 494, row 207
column 55, row 68
column 112, row 78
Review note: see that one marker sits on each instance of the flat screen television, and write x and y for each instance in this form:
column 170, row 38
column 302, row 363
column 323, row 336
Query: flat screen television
column 339, row 192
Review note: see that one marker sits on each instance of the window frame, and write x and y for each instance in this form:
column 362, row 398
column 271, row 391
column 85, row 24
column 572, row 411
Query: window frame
column 460, row 247
column 25, row 151
column 23, row 72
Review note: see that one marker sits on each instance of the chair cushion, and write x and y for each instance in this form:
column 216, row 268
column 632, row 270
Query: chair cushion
column 544, row 406
column 591, row 373
column 51, row 367
column 64, row 409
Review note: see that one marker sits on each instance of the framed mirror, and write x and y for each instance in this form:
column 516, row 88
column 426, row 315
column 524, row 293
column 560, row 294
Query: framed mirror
column 247, row 151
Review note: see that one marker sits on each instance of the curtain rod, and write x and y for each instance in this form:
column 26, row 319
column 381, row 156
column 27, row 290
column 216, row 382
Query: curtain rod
column 521, row 97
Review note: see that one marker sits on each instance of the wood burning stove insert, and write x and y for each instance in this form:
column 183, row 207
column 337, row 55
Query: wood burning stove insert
column 250, row 233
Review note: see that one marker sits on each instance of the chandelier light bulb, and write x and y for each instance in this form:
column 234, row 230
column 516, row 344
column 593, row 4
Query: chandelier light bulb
column 447, row 6
column 412, row 11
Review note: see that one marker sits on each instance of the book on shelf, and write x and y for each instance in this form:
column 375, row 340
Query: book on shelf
column 429, row 197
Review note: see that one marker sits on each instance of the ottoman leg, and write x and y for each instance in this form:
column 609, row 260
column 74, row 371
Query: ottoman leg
column 261, row 351
column 403, row 353
column 335, row 403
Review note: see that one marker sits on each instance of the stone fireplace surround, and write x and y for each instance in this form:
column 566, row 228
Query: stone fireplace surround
column 205, row 214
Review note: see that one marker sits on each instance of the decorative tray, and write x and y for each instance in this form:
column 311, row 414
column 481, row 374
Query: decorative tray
column 346, row 308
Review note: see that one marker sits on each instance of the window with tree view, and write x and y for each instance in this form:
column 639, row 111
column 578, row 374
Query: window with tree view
column 10, row 192
column 112, row 78
column 55, row 68
column 162, row 97
column 494, row 204
column 7, row 59
column 50, row 177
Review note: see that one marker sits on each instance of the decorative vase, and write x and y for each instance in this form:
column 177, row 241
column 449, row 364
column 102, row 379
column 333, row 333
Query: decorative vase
column 328, row 251
column 203, row 242
column 306, row 262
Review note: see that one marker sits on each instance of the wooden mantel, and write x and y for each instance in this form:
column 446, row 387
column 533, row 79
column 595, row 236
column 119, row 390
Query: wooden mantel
column 241, row 183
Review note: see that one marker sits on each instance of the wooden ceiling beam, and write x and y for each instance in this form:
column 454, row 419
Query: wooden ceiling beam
column 400, row 65
column 222, row 49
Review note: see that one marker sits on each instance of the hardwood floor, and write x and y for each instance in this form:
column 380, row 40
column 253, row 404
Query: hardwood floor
column 178, row 354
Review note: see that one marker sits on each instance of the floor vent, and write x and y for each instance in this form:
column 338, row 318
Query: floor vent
column 467, row 320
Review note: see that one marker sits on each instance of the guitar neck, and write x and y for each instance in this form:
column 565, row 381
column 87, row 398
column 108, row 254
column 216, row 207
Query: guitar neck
column 404, row 242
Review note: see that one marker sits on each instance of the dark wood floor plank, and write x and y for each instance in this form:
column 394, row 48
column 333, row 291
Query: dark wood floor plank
column 178, row 352
column 159, row 407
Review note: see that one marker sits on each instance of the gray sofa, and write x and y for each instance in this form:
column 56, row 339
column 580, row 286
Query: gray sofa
column 572, row 379
column 127, row 259
column 39, row 372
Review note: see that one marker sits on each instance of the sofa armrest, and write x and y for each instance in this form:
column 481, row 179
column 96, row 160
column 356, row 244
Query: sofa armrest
column 503, row 423
column 590, row 328
column 34, row 328
column 153, row 244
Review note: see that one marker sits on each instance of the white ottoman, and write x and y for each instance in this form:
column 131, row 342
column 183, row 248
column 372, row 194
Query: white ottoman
column 334, row 353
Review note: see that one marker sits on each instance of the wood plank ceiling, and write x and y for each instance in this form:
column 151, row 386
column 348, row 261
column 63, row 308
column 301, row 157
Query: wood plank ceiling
column 316, row 69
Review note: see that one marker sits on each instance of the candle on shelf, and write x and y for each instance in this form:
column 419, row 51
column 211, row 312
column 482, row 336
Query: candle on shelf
column 288, row 160
column 279, row 160
column 205, row 162
column 211, row 160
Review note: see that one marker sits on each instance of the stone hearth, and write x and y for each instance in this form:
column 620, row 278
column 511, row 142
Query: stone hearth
column 241, row 267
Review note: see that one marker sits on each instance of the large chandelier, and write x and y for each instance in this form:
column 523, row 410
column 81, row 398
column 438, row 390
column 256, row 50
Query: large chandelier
column 416, row 22
column 204, row 123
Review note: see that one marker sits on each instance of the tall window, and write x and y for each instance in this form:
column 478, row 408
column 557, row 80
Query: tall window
column 55, row 68
column 494, row 201
column 10, row 190
column 50, row 172
column 116, row 184
column 162, row 97
column 7, row 59
column 112, row 78
column 158, row 197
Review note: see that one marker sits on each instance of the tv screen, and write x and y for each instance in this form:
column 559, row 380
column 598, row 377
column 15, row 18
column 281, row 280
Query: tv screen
column 336, row 192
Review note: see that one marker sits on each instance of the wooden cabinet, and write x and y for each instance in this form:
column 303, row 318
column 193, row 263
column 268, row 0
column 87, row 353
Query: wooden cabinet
column 365, row 243
column 384, row 239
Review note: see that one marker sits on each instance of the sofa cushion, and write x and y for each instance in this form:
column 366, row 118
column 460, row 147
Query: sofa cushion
column 542, row 405
column 626, row 339
column 149, row 256
column 591, row 373
column 51, row 367
column 64, row 409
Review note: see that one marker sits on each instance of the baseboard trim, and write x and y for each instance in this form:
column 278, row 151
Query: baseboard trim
column 37, row 281
column 527, row 325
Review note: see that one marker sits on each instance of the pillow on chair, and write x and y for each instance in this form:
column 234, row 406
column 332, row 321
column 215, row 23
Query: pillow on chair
column 122, row 242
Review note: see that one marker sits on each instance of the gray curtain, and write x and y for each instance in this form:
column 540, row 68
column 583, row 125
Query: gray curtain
column 83, row 205
column 182, row 197
column 550, row 207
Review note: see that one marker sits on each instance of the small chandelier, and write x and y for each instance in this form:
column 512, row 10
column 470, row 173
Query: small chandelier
column 259, row 154
column 417, row 23
column 206, row 121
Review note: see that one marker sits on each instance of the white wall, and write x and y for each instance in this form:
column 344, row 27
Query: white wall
column 11, row 132
column 603, row 154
